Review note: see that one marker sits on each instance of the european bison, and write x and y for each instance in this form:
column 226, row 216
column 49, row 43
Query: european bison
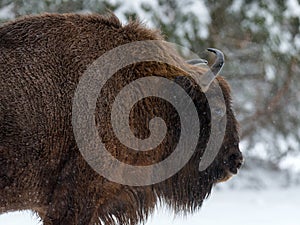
column 42, row 60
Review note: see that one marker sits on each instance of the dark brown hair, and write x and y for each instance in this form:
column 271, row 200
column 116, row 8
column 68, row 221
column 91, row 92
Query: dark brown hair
column 42, row 59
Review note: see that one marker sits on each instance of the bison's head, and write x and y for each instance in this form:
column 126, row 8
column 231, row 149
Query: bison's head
column 190, row 185
column 187, row 189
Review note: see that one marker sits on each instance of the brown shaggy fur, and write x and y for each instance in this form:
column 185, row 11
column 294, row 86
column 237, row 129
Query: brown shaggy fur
column 41, row 61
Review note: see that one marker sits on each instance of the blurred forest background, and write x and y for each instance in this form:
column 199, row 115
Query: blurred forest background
column 261, row 43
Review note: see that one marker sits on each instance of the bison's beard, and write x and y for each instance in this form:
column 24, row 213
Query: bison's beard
column 183, row 193
column 186, row 191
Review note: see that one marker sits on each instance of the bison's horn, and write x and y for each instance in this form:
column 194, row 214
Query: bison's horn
column 211, row 74
column 218, row 64
column 197, row 61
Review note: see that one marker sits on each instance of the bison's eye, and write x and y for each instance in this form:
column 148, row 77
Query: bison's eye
column 219, row 111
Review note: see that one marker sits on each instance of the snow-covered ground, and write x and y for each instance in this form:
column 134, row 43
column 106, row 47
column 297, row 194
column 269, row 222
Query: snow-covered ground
column 241, row 207
column 227, row 207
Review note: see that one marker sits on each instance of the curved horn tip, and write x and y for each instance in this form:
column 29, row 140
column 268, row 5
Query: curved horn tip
column 218, row 64
column 219, row 54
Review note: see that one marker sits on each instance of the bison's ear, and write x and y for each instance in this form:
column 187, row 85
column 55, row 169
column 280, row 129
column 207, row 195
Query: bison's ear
column 207, row 78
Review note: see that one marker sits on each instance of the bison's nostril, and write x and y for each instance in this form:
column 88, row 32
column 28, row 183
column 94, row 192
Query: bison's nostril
column 239, row 165
column 236, row 156
column 235, row 161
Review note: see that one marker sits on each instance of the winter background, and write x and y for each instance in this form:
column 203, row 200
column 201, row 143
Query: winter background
column 261, row 42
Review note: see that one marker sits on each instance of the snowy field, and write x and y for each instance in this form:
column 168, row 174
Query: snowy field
column 226, row 207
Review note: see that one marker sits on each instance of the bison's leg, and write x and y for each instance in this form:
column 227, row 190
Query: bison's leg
column 6, row 181
column 13, row 195
column 5, row 173
column 64, row 208
column 69, row 207
column 72, row 202
column 59, row 217
column 20, row 184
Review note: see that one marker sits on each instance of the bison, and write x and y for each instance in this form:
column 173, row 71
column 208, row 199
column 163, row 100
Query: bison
column 42, row 60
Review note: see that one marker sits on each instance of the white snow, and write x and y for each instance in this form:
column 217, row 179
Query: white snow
column 135, row 6
column 280, row 38
column 291, row 163
column 6, row 12
column 297, row 41
column 236, row 5
column 270, row 72
column 192, row 7
column 293, row 8
column 227, row 207
column 269, row 207
column 201, row 11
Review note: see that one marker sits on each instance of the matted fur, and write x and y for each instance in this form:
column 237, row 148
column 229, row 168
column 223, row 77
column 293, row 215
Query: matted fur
column 42, row 59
